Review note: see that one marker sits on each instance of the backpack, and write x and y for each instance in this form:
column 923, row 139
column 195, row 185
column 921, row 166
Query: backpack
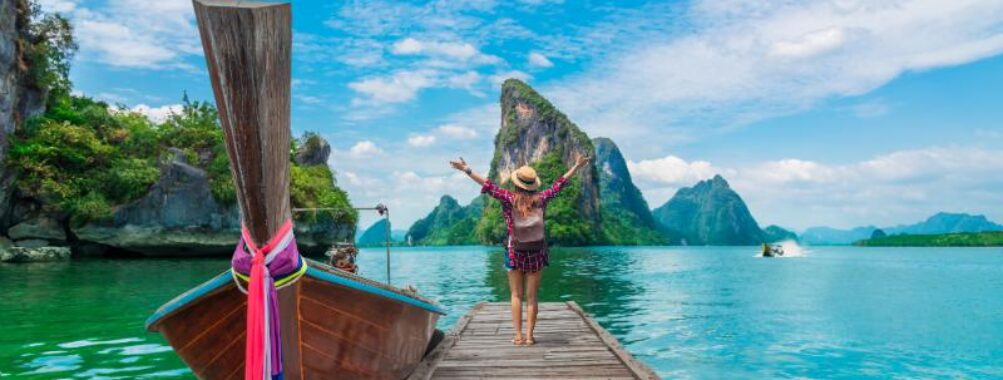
column 528, row 231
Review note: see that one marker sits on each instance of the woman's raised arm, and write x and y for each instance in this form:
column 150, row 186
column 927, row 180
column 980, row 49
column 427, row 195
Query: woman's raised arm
column 579, row 162
column 462, row 166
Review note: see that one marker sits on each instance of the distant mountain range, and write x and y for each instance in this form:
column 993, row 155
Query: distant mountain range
column 709, row 213
column 375, row 235
column 940, row 223
column 601, row 205
column 448, row 223
column 596, row 207
column 773, row 234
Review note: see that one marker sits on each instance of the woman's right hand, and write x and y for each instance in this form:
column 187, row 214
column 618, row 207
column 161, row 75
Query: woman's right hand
column 460, row 165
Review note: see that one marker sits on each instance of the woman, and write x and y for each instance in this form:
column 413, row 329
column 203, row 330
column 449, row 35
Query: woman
column 526, row 247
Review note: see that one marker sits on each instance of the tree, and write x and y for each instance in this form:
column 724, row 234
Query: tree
column 46, row 49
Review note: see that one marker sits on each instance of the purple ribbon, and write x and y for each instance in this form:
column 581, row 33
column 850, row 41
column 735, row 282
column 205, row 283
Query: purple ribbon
column 282, row 260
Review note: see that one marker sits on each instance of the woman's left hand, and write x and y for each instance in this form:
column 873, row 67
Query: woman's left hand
column 460, row 165
column 582, row 160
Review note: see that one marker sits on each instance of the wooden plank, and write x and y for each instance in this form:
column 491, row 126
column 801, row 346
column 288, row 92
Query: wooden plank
column 617, row 370
column 639, row 369
column 569, row 344
column 427, row 366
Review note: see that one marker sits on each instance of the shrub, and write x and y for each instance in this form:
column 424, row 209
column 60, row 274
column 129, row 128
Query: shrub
column 314, row 187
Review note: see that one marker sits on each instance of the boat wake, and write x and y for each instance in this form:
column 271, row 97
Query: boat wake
column 790, row 248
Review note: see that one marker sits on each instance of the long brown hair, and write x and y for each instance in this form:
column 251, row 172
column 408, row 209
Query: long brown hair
column 525, row 201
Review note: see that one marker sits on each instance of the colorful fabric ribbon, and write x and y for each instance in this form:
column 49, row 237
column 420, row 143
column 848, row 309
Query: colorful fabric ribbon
column 265, row 269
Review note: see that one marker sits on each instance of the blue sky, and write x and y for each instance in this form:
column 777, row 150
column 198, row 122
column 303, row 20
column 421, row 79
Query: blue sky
column 837, row 113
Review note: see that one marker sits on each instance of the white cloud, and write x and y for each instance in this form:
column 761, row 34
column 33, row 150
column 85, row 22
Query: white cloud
column 810, row 44
column 404, row 86
column 410, row 194
column 399, row 87
column 356, row 53
column 461, row 51
column 364, row 149
column 432, row 187
column 671, row 170
column 309, row 99
column 421, row 140
column 408, row 46
column 456, row 131
column 466, row 80
column 445, row 65
column 539, row 60
column 742, row 62
column 157, row 114
column 359, row 181
column 134, row 33
column 893, row 188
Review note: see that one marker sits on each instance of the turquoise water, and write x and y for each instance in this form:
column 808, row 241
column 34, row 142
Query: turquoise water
column 706, row 313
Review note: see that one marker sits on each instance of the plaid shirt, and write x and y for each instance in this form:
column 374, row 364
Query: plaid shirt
column 525, row 261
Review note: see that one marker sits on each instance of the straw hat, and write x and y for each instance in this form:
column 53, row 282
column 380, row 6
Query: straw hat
column 525, row 178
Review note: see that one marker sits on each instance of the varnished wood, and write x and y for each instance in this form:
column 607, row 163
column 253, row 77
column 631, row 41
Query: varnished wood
column 360, row 336
column 248, row 52
column 569, row 345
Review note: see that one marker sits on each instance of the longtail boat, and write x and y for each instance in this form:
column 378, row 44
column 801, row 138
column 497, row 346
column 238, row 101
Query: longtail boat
column 299, row 319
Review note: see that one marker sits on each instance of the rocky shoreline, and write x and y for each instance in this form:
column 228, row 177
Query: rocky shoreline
column 177, row 217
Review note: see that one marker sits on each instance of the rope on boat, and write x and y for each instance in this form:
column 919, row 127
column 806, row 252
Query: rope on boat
column 276, row 264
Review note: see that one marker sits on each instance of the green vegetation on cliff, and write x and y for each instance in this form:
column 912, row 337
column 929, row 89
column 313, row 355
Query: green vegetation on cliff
column 511, row 129
column 82, row 158
column 626, row 219
column 536, row 133
column 46, row 48
column 709, row 213
column 448, row 224
column 969, row 239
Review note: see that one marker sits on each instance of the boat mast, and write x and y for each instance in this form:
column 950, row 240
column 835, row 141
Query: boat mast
column 382, row 209
column 248, row 53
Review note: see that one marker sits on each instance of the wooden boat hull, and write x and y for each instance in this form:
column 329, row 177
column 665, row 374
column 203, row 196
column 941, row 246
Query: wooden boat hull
column 334, row 325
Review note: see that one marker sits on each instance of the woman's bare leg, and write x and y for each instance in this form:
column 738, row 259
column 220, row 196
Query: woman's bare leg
column 515, row 278
column 532, row 288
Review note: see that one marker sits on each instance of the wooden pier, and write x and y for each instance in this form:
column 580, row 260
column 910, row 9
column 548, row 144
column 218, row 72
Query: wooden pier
column 569, row 345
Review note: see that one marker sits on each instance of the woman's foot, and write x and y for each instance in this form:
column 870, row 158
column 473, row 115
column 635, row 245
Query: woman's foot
column 530, row 341
column 518, row 341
